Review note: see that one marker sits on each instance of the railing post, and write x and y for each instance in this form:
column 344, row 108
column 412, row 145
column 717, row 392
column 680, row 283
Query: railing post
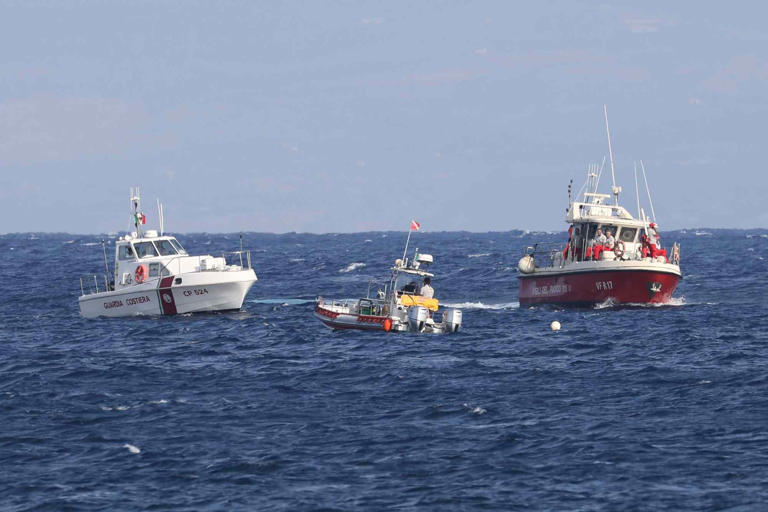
column 82, row 291
column 96, row 283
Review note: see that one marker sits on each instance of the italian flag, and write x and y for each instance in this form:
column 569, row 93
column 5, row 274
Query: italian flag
column 140, row 218
column 415, row 226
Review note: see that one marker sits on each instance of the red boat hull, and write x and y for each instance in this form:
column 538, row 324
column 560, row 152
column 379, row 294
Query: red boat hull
column 336, row 320
column 593, row 287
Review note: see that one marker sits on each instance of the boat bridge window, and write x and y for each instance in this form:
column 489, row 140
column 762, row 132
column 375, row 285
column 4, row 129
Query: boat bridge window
column 610, row 228
column 627, row 235
column 407, row 283
column 125, row 252
column 145, row 249
column 177, row 245
column 154, row 269
column 590, row 230
column 165, row 248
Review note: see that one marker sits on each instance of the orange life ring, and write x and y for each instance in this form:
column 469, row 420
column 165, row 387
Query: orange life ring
column 387, row 324
column 141, row 273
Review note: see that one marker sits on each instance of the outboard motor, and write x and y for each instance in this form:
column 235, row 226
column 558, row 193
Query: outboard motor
column 452, row 318
column 417, row 317
column 526, row 265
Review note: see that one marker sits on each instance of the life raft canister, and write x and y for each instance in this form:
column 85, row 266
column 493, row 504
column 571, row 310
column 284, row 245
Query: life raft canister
column 141, row 273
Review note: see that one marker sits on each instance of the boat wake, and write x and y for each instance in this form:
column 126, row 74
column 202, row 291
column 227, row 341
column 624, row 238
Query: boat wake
column 481, row 305
column 351, row 267
column 672, row 303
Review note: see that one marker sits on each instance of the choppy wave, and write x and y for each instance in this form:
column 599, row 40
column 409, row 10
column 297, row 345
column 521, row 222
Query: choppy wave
column 478, row 255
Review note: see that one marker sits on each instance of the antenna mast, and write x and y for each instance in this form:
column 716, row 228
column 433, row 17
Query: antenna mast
column 137, row 215
column 160, row 216
column 637, row 192
column 406, row 243
column 614, row 189
column 650, row 201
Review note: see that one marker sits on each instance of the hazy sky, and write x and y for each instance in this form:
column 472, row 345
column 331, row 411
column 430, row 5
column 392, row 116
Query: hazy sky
column 349, row 116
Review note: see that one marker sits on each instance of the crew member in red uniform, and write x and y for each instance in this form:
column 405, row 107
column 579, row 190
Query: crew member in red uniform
column 656, row 249
column 599, row 245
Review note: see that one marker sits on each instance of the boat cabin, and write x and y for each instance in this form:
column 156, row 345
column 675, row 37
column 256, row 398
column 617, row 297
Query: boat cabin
column 149, row 257
column 408, row 277
column 631, row 235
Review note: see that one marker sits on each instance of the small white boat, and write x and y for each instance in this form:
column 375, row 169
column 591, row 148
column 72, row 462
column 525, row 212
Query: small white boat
column 398, row 306
column 154, row 275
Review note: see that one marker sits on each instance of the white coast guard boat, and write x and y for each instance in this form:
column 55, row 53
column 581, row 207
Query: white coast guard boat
column 154, row 275
column 398, row 305
column 634, row 269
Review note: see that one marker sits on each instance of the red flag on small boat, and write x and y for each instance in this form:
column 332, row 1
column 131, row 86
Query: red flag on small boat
column 415, row 226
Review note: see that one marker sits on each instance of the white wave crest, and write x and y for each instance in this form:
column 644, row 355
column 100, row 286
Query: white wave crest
column 673, row 302
column 351, row 267
column 475, row 410
column 481, row 305
column 478, row 255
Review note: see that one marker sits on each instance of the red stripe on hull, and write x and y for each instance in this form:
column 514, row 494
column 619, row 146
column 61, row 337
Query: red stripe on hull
column 358, row 327
column 165, row 294
column 629, row 286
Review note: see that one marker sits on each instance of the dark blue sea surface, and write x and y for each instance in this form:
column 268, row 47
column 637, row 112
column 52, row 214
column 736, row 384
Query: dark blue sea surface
column 640, row 408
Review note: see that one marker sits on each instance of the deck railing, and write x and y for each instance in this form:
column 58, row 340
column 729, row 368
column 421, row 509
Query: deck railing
column 89, row 284
column 242, row 258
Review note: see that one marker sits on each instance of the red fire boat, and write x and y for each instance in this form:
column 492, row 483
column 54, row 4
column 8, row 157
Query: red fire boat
column 610, row 255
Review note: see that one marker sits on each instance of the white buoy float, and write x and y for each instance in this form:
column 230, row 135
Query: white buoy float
column 555, row 325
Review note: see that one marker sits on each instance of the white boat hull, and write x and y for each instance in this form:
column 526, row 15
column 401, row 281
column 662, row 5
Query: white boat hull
column 196, row 292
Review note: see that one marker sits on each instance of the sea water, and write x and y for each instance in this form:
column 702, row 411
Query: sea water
column 640, row 408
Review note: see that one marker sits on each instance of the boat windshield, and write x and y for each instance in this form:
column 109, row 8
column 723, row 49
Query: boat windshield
column 125, row 252
column 177, row 245
column 145, row 249
column 408, row 283
column 165, row 248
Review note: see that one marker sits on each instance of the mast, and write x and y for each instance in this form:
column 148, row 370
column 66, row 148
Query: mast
column 160, row 216
column 614, row 189
column 650, row 201
column 637, row 192
column 137, row 215
column 406, row 244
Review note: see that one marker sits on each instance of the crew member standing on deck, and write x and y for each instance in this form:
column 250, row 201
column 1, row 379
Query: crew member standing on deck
column 427, row 291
